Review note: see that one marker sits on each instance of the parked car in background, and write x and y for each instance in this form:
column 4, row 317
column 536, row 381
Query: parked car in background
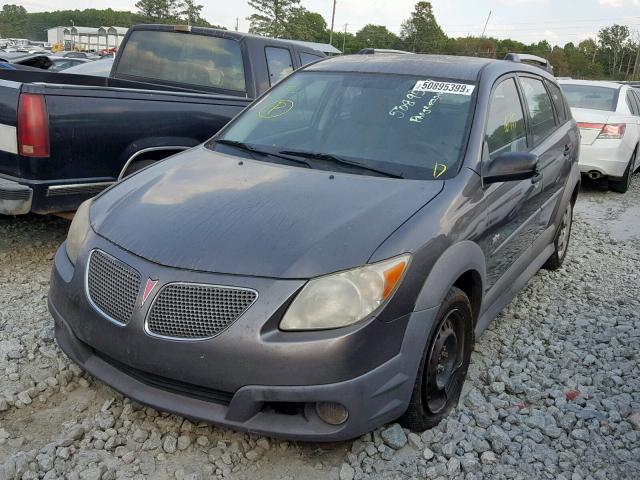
column 65, row 138
column 73, row 54
column 97, row 68
column 63, row 63
column 324, row 263
column 608, row 114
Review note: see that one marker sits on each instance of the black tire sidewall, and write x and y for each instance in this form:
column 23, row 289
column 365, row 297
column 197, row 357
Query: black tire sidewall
column 418, row 416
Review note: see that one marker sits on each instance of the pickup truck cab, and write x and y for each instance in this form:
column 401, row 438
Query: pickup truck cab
column 64, row 138
column 324, row 263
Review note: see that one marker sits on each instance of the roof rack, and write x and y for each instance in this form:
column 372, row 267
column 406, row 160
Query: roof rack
column 530, row 59
column 371, row 51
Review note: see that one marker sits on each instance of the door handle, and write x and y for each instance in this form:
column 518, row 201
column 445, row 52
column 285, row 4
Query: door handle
column 568, row 148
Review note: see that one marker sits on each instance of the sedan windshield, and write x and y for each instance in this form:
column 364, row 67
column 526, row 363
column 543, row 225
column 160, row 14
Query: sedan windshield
column 591, row 96
column 373, row 124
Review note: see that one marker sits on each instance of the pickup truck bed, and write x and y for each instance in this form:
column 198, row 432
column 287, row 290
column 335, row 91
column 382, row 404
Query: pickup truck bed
column 118, row 126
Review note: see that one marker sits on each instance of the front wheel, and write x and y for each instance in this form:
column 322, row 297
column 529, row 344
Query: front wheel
column 444, row 365
column 561, row 242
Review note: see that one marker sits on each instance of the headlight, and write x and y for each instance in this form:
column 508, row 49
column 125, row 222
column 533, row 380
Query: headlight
column 78, row 231
column 344, row 298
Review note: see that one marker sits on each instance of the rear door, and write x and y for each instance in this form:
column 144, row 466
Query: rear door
column 554, row 140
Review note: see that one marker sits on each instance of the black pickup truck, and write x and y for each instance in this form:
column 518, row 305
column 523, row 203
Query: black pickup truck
column 64, row 138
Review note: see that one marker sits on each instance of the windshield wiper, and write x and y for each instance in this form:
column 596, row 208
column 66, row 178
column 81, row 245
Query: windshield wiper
column 338, row 160
column 251, row 149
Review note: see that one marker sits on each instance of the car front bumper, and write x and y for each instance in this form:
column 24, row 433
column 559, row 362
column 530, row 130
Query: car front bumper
column 252, row 376
column 608, row 157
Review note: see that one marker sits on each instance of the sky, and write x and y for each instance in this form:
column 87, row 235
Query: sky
column 557, row 21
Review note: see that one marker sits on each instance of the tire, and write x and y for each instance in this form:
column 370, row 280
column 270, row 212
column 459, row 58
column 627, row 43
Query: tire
column 561, row 242
column 622, row 185
column 439, row 380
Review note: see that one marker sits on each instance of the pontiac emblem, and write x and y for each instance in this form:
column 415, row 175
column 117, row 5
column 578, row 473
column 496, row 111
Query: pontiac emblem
column 151, row 284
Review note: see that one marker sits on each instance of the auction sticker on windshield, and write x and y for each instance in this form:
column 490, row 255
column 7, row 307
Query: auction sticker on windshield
column 444, row 87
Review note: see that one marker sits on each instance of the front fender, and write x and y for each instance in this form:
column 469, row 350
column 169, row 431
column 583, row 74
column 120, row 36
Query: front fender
column 455, row 261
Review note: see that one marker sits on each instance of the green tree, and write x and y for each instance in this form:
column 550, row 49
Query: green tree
column 189, row 12
column 158, row 10
column 13, row 21
column 305, row 25
column 271, row 16
column 421, row 32
column 377, row 36
column 612, row 40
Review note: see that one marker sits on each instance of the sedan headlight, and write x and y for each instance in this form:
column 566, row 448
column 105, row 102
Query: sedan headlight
column 344, row 298
column 78, row 231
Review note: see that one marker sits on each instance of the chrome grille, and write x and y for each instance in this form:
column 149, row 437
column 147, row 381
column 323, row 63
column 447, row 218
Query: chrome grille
column 112, row 286
column 194, row 312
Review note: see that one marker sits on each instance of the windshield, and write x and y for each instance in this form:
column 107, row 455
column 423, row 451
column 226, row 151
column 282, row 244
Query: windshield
column 589, row 96
column 411, row 126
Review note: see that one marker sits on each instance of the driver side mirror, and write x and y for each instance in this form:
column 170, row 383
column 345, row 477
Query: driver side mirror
column 511, row 166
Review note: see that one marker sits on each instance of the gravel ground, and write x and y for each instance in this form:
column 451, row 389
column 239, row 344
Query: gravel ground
column 553, row 392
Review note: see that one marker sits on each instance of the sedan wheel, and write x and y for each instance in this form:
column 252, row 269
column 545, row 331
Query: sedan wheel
column 622, row 185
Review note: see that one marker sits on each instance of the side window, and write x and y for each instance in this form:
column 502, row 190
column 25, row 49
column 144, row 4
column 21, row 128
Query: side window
column 506, row 131
column 632, row 103
column 558, row 102
column 308, row 58
column 636, row 95
column 540, row 109
column 279, row 63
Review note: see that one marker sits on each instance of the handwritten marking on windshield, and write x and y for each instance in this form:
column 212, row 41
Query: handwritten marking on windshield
column 277, row 109
column 426, row 110
column 400, row 110
column 439, row 169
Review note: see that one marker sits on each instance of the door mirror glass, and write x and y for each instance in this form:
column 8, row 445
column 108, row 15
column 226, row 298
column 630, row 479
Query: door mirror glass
column 511, row 166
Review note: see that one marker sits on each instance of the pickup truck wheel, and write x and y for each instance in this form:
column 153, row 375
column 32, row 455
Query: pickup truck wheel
column 139, row 165
column 561, row 242
column 444, row 365
column 622, row 185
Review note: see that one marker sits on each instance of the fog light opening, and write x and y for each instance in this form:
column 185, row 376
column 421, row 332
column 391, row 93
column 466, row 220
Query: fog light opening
column 332, row 413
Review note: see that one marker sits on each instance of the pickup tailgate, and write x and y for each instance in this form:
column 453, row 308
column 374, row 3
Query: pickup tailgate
column 9, row 159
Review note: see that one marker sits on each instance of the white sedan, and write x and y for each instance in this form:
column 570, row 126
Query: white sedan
column 608, row 115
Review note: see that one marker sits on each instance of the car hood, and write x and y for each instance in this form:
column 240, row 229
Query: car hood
column 207, row 211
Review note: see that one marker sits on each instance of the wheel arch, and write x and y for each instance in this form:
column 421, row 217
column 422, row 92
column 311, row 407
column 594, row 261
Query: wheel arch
column 463, row 266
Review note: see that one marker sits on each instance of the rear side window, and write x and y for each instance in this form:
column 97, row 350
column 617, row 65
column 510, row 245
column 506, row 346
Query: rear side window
column 506, row 131
column 308, row 58
column 540, row 109
column 592, row 97
column 632, row 103
column 558, row 102
column 184, row 58
column 279, row 62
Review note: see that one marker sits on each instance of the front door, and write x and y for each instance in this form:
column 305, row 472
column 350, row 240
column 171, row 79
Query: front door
column 512, row 208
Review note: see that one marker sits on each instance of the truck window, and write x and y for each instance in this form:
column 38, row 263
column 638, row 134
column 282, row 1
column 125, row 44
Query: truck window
column 184, row 58
column 505, row 125
column 279, row 62
column 308, row 58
